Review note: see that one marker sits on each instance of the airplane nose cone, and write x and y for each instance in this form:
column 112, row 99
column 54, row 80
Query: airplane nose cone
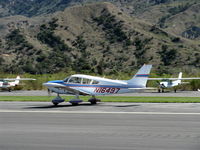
column 45, row 84
column 49, row 83
column 53, row 84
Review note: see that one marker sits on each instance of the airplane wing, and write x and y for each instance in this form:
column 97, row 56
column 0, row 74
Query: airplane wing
column 173, row 78
column 73, row 90
column 84, row 92
column 147, row 88
column 13, row 79
column 79, row 91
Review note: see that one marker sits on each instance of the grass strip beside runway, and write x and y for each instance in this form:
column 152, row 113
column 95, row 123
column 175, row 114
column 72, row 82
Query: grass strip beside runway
column 108, row 99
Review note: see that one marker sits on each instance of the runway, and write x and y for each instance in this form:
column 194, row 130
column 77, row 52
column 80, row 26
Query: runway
column 105, row 126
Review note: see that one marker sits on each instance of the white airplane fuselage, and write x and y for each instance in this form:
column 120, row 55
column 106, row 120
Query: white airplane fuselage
column 7, row 84
column 91, row 89
column 169, row 84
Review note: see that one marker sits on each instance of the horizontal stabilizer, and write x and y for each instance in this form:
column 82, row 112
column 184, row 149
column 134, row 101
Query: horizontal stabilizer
column 173, row 78
column 147, row 88
column 13, row 79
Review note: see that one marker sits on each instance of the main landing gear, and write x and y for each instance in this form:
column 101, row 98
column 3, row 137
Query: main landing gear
column 175, row 90
column 57, row 100
column 161, row 90
column 75, row 101
column 93, row 100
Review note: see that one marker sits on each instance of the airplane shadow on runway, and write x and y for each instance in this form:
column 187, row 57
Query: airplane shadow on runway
column 127, row 105
column 82, row 104
column 59, row 106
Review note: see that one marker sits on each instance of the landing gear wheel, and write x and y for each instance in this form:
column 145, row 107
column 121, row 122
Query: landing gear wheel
column 76, row 100
column 93, row 102
column 74, row 104
column 55, row 104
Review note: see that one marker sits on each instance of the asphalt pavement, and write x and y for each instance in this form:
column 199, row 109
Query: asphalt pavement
column 105, row 126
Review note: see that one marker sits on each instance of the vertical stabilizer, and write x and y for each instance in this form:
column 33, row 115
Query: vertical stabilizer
column 17, row 80
column 141, row 77
column 179, row 77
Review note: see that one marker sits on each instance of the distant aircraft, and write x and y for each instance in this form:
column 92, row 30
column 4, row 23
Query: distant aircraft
column 8, row 83
column 171, row 82
column 89, row 85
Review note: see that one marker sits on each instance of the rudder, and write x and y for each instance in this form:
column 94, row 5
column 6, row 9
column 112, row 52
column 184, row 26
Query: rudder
column 141, row 77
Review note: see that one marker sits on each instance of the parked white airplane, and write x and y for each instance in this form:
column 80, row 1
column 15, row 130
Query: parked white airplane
column 89, row 85
column 8, row 83
column 171, row 82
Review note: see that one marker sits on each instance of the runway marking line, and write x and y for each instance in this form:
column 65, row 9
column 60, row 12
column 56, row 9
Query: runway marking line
column 98, row 112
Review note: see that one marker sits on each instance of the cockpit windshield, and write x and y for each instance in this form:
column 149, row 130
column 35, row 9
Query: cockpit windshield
column 86, row 81
column 66, row 79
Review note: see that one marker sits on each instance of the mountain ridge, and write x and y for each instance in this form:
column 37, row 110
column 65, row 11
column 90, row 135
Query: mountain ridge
column 97, row 37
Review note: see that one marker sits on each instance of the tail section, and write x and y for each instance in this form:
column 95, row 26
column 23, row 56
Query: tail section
column 179, row 77
column 17, row 80
column 141, row 77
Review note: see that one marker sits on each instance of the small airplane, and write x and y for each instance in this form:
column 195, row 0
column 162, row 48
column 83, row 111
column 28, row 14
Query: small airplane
column 79, row 84
column 171, row 82
column 8, row 83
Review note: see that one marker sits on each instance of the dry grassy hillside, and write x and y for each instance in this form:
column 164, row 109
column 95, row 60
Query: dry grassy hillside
column 179, row 17
column 96, row 38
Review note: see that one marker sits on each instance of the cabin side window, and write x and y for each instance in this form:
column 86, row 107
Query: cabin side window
column 86, row 81
column 80, row 80
column 95, row 82
column 74, row 80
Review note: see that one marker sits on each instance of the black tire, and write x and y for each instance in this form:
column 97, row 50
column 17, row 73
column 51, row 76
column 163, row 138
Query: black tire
column 93, row 102
column 55, row 104
column 74, row 104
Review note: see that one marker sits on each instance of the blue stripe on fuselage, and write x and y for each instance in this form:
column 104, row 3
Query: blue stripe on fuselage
column 56, row 81
column 142, row 75
column 92, row 85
